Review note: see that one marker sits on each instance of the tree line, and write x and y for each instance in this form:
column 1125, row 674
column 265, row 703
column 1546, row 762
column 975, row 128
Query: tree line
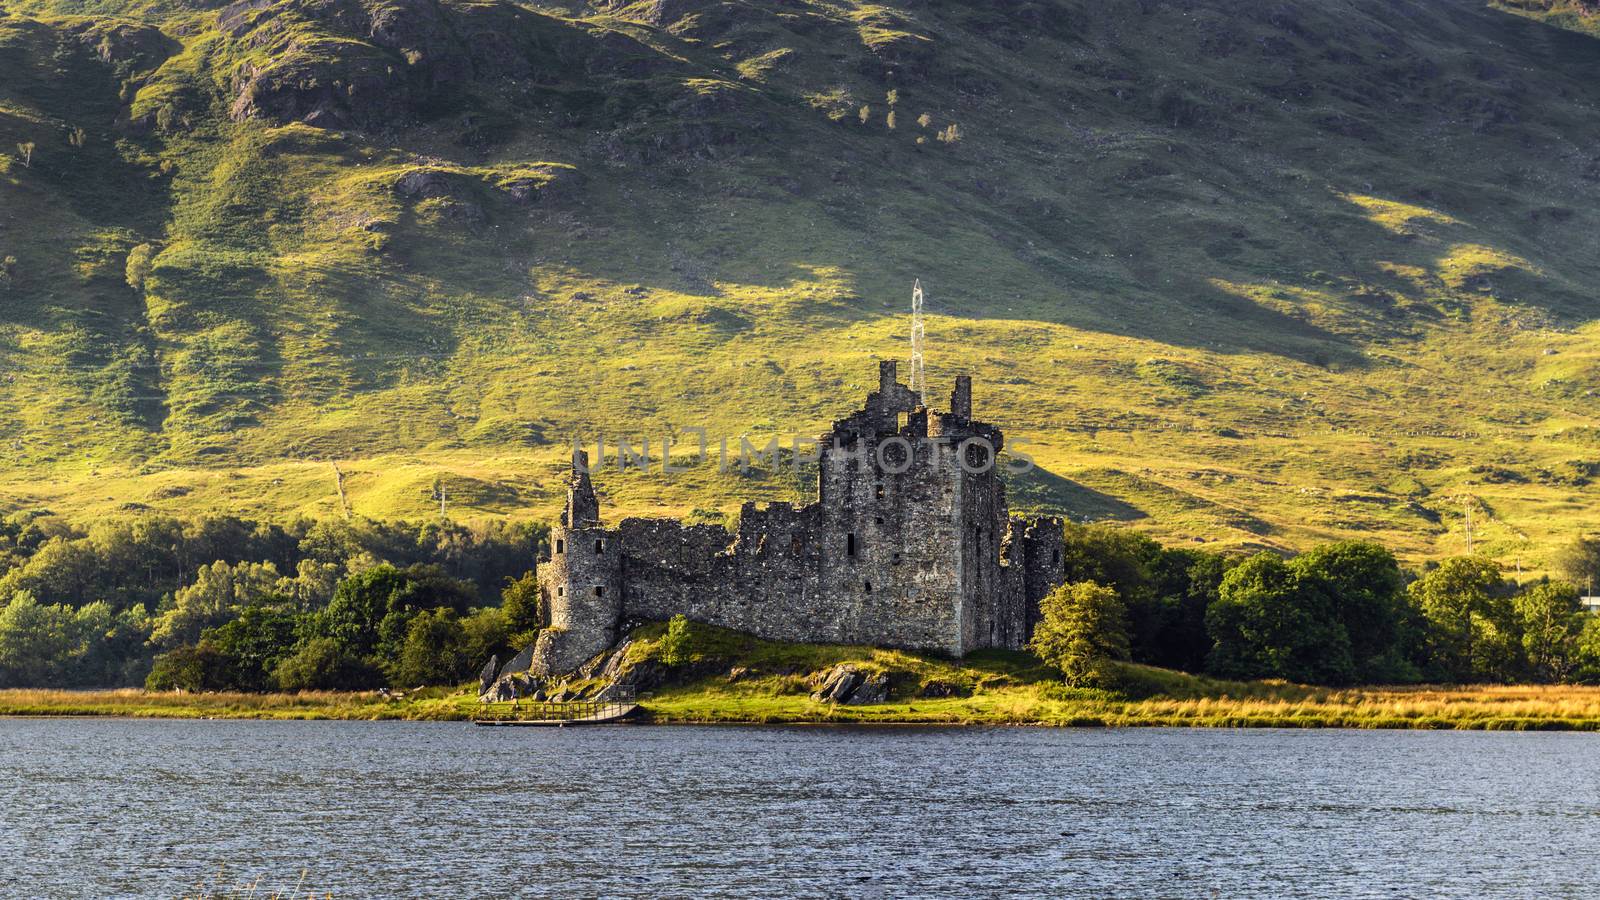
column 223, row 603
column 1339, row 614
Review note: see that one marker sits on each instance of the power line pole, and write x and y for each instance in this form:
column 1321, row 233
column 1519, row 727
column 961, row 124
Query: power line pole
column 919, row 384
column 439, row 494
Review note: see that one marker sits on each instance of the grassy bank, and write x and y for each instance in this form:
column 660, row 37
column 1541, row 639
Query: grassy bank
column 711, row 675
column 1259, row 706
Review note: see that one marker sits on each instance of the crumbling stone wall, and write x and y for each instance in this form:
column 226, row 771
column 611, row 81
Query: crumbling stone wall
column 909, row 544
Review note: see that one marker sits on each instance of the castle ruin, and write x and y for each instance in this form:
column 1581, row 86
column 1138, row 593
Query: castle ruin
column 908, row 544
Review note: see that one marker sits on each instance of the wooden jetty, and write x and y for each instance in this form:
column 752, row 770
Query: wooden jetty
column 559, row 714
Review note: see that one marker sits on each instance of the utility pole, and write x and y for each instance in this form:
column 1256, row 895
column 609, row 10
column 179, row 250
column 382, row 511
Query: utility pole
column 1466, row 501
column 919, row 383
column 439, row 494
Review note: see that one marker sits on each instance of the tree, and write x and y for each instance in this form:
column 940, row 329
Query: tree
column 254, row 644
column 321, row 664
column 486, row 633
column 890, row 120
column 924, row 120
column 1270, row 623
column 675, row 650
column 1166, row 592
column 8, row 271
column 136, row 271
column 199, row 667
column 951, row 134
column 359, row 605
column 522, row 605
column 1081, row 626
column 77, row 137
column 219, row 591
column 25, row 150
column 1363, row 583
column 1471, row 624
column 1551, row 626
column 434, row 651
column 865, row 114
column 1579, row 561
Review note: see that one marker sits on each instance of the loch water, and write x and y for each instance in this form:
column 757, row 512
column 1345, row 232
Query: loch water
column 152, row 808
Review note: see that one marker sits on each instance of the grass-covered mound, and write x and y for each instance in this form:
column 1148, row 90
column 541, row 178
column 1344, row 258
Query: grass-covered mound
column 1259, row 274
column 712, row 675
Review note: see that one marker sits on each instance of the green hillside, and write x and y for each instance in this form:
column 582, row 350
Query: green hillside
column 1247, row 274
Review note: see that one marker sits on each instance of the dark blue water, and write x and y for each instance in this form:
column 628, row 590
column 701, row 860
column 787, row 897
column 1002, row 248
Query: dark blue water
column 107, row 808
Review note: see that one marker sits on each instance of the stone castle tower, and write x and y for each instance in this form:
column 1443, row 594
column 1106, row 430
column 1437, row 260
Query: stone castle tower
column 908, row 544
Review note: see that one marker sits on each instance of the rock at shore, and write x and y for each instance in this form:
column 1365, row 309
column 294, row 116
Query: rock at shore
column 847, row 684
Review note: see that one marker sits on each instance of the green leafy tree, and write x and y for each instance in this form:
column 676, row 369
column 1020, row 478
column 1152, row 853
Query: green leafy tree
column 1166, row 591
column 487, row 633
column 675, row 645
column 1472, row 633
column 320, row 664
column 200, row 667
column 1363, row 583
column 360, row 603
column 253, row 645
column 1551, row 626
column 523, row 607
column 434, row 651
column 1579, row 561
column 1082, row 625
column 1269, row 623
column 220, row 591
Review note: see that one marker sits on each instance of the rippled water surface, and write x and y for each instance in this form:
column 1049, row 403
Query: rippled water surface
column 106, row 807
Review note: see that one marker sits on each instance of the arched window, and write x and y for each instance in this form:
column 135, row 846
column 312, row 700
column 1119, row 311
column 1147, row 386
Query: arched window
column 866, row 587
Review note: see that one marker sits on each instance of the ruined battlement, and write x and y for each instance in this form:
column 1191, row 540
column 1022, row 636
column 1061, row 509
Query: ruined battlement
column 909, row 544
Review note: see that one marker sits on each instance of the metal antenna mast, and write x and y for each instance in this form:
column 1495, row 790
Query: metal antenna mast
column 919, row 384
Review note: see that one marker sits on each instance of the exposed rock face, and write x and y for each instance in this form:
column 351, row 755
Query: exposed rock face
column 343, row 63
column 845, row 683
column 125, row 46
column 486, row 677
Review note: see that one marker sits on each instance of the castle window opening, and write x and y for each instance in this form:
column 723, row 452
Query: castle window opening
column 561, row 592
column 599, row 547
column 1055, row 558
column 866, row 587
column 599, row 591
column 561, row 546
column 879, row 520
column 850, row 544
column 877, row 492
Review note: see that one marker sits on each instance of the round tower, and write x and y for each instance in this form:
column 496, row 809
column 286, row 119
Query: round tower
column 582, row 583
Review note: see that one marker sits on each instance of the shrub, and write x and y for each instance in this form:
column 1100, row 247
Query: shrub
column 200, row 667
column 1082, row 626
column 320, row 664
column 675, row 649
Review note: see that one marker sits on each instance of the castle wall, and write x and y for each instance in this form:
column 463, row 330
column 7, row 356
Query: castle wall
column 904, row 547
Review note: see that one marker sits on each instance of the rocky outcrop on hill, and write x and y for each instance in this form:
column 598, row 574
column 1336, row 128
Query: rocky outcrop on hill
column 346, row 63
column 846, row 683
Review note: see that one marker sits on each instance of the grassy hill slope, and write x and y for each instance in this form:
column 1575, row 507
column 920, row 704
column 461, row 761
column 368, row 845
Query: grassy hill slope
column 1253, row 275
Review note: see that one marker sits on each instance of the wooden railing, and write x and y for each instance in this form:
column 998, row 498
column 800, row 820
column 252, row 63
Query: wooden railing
column 618, row 699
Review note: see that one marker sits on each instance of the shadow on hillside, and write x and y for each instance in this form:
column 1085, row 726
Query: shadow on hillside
column 1043, row 491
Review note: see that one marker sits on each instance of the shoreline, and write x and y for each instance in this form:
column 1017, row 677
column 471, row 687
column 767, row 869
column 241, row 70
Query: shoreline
column 1496, row 708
